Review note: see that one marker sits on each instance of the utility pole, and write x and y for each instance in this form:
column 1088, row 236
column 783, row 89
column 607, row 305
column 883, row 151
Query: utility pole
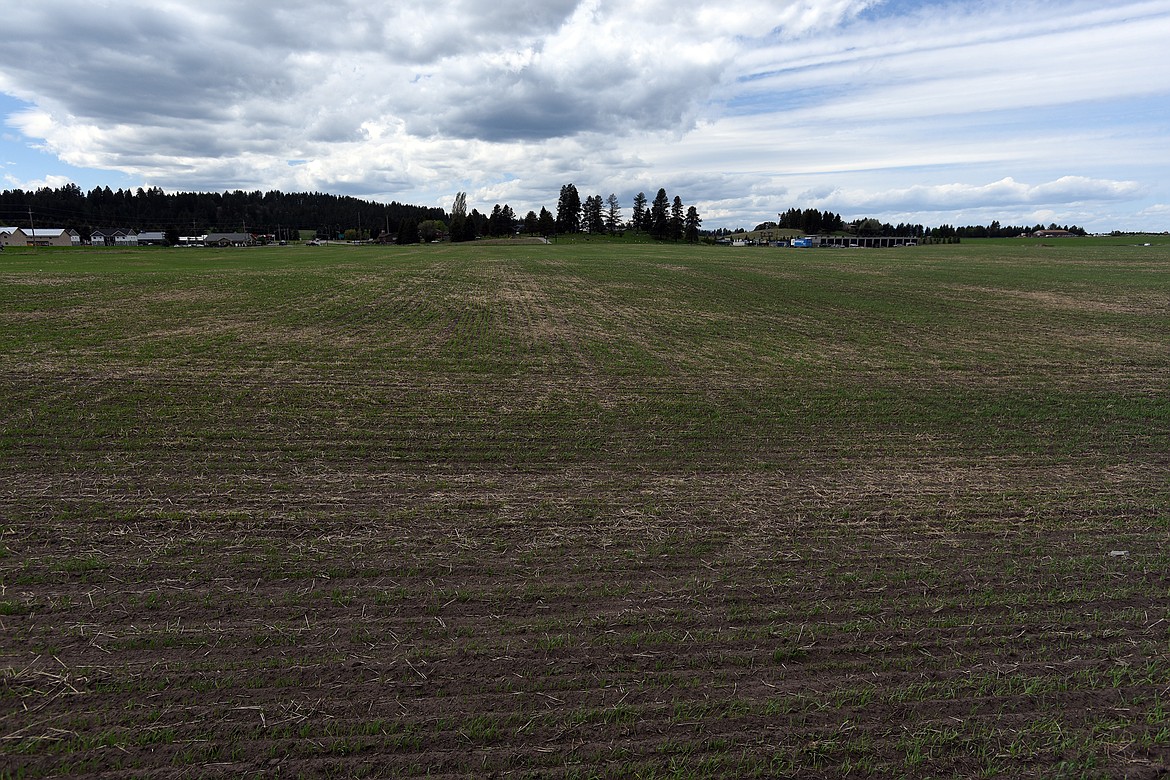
column 32, row 226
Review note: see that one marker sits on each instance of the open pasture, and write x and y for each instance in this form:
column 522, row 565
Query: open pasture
column 586, row 511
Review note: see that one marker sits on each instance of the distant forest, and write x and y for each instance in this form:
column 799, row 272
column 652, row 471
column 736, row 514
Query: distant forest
column 284, row 214
column 196, row 213
column 814, row 221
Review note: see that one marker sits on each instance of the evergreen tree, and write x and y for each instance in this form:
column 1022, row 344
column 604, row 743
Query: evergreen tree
column 613, row 214
column 408, row 232
column 639, row 219
column 478, row 222
column 592, row 217
column 469, row 232
column 502, row 222
column 569, row 210
column 660, row 215
column 677, row 219
column 693, row 223
column 545, row 222
column 495, row 228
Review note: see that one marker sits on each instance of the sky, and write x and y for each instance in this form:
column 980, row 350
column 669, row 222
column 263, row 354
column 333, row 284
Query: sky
column 1021, row 111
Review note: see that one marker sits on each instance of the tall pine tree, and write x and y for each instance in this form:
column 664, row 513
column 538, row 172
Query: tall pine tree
column 660, row 215
column 693, row 223
column 613, row 214
column 569, row 210
column 593, row 217
column 676, row 219
column 639, row 219
column 545, row 222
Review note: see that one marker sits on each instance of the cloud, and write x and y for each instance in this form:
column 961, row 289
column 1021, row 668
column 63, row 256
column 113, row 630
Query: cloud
column 611, row 67
column 1004, row 193
column 1160, row 211
column 52, row 182
column 742, row 108
column 457, row 69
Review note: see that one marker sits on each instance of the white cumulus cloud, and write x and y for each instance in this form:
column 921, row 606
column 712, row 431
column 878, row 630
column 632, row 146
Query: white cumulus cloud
column 740, row 108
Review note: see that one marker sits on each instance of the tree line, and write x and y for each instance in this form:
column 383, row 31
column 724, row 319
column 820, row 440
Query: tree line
column 283, row 215
column 663, row 219
column 196, row 213
column 812, row 221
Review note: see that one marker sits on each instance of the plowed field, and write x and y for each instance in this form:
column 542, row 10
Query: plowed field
column 586, row 511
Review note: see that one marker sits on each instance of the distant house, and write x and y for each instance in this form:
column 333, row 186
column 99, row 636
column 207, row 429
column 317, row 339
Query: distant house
column 48, row 237
column 113, row 237
column 152, row 239
column 13, row 236
column 229, row 239
column 1054, row 234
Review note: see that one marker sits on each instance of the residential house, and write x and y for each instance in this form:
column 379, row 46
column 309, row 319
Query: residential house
column 113, row 237
column 13, row 236
column 229, row 239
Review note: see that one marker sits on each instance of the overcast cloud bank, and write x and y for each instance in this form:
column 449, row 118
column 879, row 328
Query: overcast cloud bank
column 930, row 112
